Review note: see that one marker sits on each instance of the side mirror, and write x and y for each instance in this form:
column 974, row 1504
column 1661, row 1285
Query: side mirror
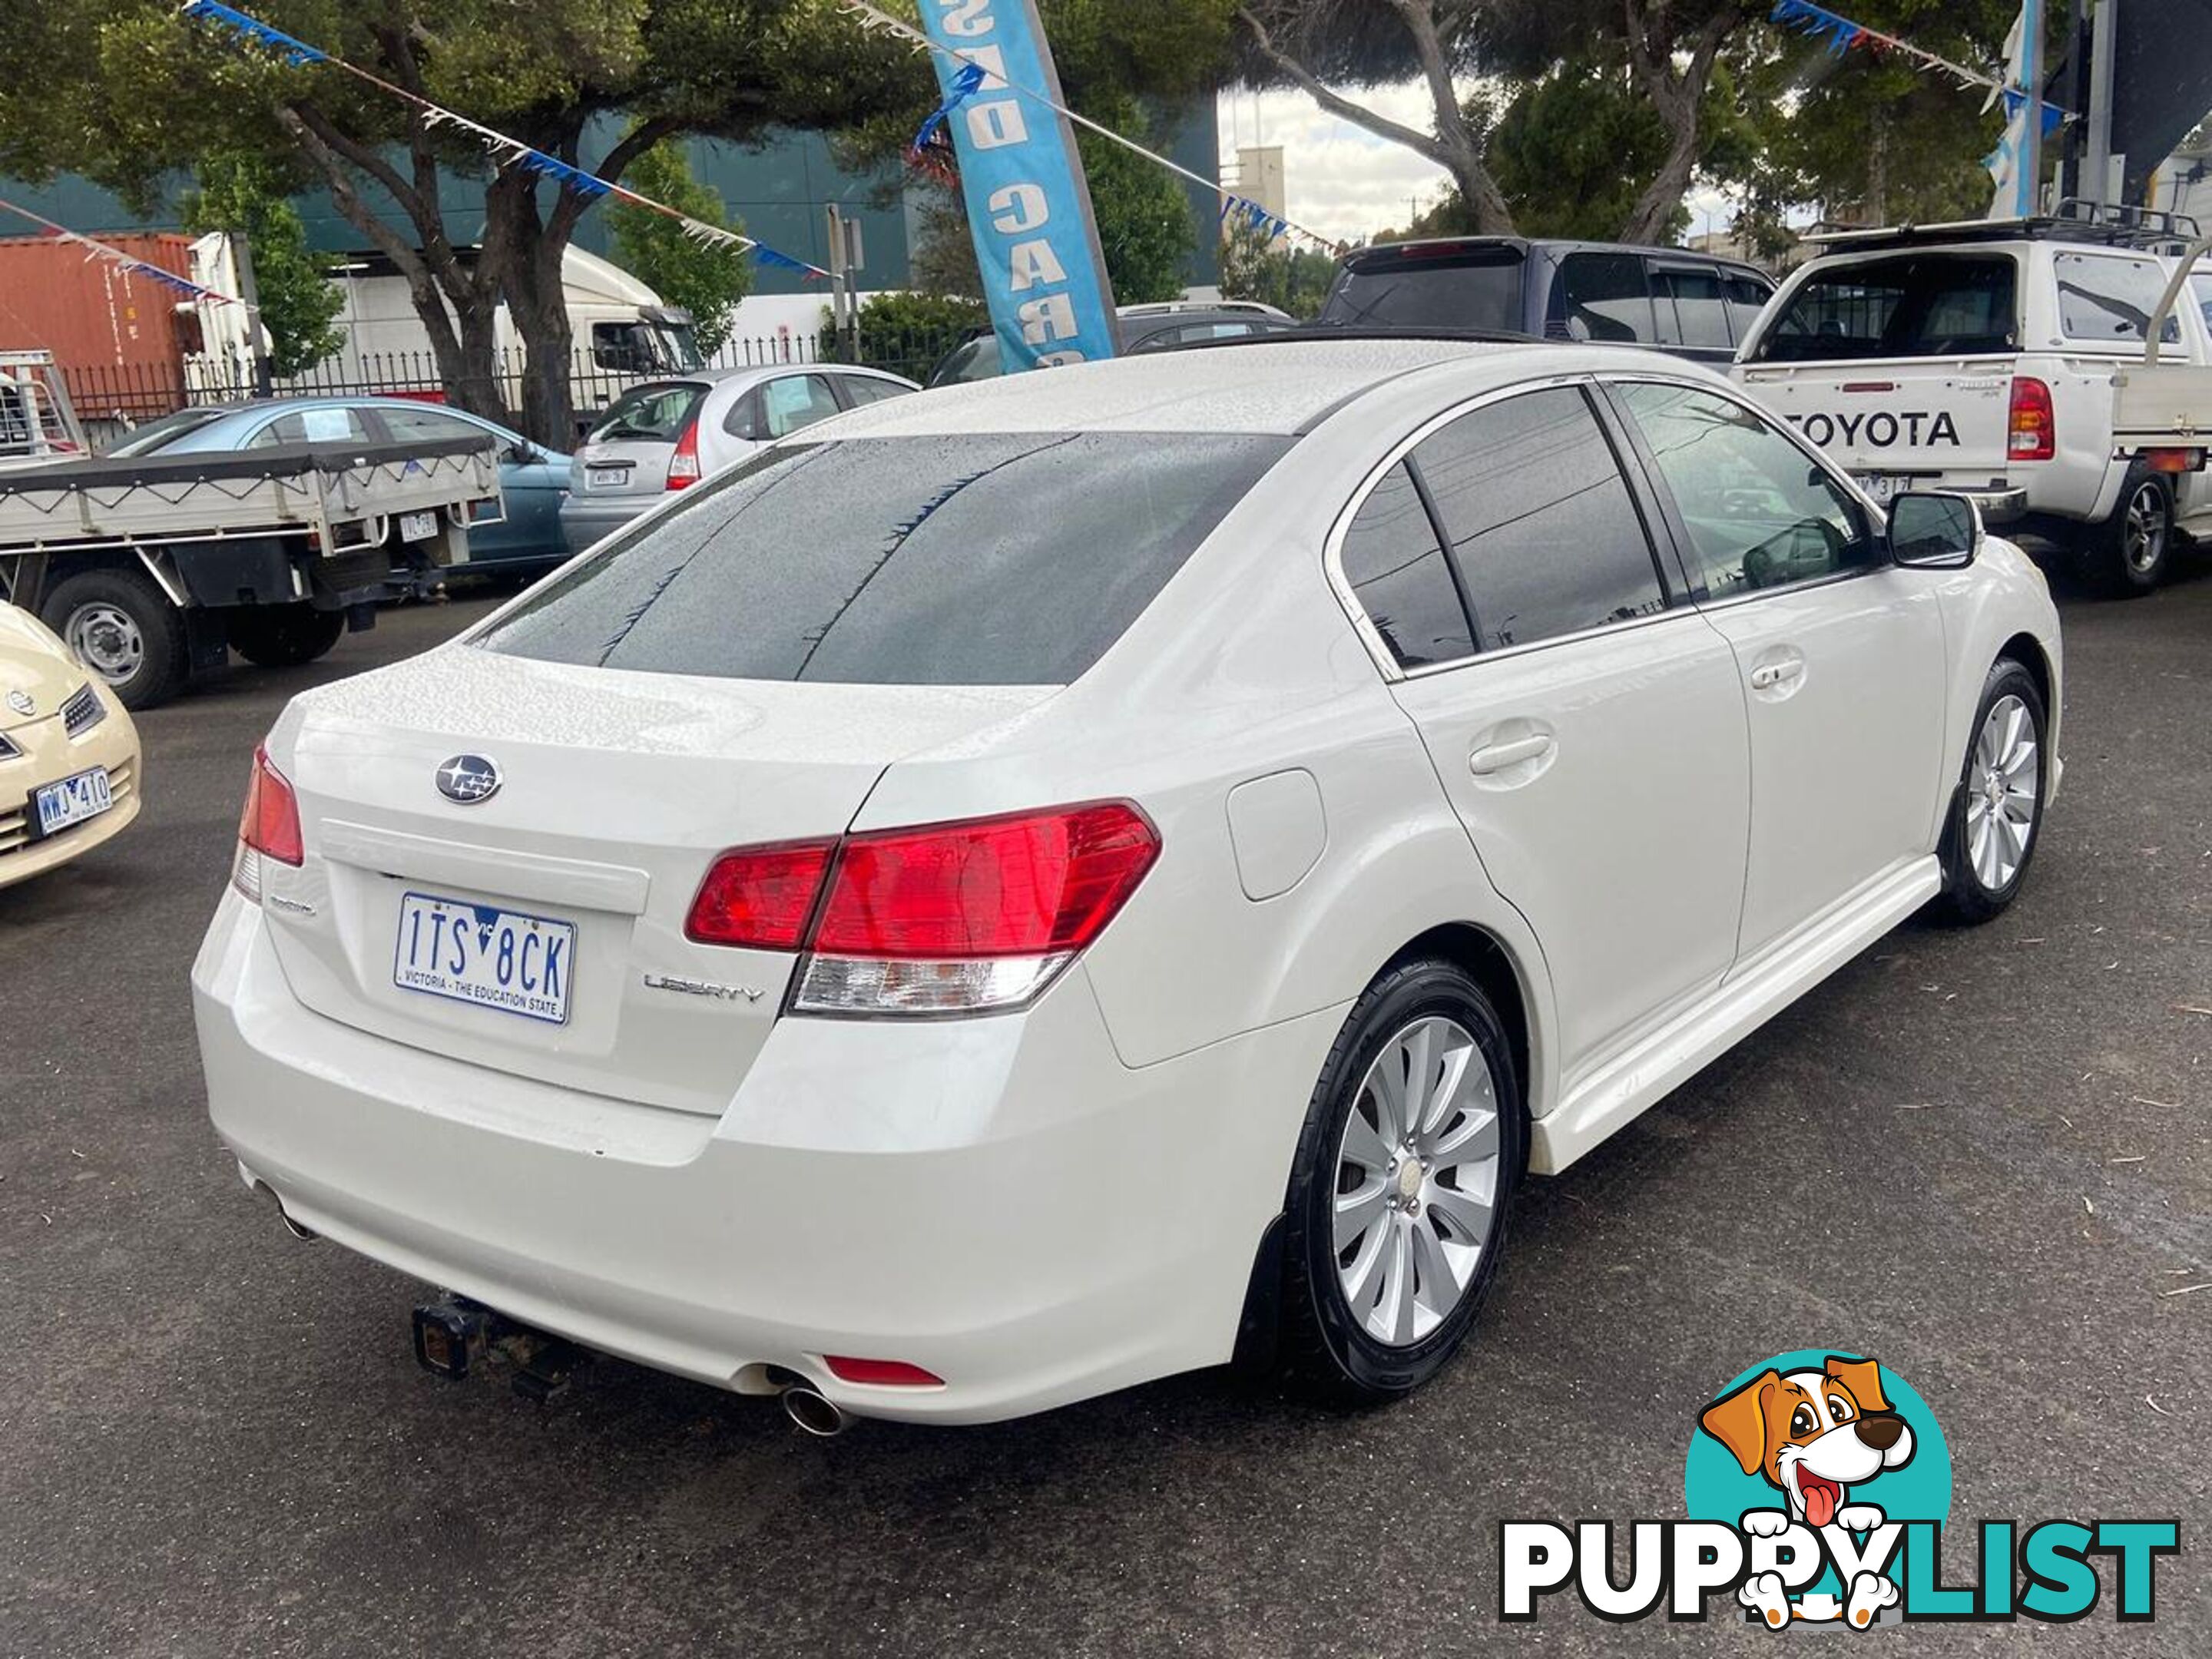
column 1929, row 530
column 520, row 454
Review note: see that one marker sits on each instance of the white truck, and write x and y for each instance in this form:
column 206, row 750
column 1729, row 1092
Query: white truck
column 1981, row 357
column 155, row 567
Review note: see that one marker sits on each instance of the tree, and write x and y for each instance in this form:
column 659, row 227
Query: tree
column 1289, row 278
column 147, row 92
column 1668, row 48
column 245, row 196
column 1144, row 229
column 706, row 279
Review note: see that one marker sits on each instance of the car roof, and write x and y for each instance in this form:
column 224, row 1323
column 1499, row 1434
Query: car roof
column 1270, row 384
column 1556, row 244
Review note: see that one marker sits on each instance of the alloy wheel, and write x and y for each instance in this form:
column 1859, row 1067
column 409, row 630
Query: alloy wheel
column 2142, row 542
column 2003, row 779
column 1417, row 1181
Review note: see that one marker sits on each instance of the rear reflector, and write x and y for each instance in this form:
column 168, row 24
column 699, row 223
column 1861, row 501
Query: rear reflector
column 2034, row 428
column 760, row 896
column 951, row 918
column 881, row 1373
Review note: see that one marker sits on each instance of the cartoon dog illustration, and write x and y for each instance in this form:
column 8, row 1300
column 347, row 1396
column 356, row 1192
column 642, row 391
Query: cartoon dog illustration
column 1814, row 1435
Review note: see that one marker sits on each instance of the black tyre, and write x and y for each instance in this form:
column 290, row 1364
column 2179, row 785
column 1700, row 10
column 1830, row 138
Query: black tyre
column 1413, row 1145
column 284, row 635
column 2131, row 551
column 124, row 629
column 1997, row 817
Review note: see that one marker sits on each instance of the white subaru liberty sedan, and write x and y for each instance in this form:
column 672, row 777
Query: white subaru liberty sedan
column 1076, row 877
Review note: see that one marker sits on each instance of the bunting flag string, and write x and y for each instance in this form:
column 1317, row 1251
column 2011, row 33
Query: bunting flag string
column 115, row 256
column 872, row 19
column 506, row 152
column 1817, row 23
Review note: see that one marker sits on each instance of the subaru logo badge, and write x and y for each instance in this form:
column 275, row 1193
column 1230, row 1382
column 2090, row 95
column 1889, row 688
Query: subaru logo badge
column 468, row 779
column 21, row 703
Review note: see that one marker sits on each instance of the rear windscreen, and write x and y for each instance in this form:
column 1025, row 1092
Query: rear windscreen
column 1478, row 288
column 650, row 414
column 980, row 559
column 1914, row 306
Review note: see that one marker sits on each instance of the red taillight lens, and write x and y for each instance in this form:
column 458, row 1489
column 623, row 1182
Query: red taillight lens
column 760, row 896
column 2033, row 428
column 1026, row 886
column 952, row 918
column 881, row 1373
column 270, row 824
column 684, row 464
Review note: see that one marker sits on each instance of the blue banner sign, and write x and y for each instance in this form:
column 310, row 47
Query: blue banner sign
column 1029, row 207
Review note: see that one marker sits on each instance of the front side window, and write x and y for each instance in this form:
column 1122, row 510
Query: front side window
column 971, row 559
column 2202, row 287
column 2108, row 301
column 1758, row 512
column 862, row 390
column 1539, row 519
column 1601, row 296
column 1396, row 568
column 429, row 426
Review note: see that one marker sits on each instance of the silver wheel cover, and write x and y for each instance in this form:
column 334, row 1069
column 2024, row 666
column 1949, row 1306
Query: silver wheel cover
column 2003, row 779
column 106, row 640
column 1417, row 1181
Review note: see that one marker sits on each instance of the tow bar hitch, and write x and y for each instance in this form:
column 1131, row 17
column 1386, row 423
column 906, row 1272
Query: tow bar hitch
column 456, row 1338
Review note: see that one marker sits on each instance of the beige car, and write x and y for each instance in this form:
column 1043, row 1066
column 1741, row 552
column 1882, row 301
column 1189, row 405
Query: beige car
column 69, row 754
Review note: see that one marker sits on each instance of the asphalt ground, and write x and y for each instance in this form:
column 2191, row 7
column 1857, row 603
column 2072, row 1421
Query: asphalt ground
column 1981, row 1157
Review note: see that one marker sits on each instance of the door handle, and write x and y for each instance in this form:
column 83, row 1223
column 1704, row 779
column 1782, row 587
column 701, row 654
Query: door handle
column 1497, row 757
column 1767, row 675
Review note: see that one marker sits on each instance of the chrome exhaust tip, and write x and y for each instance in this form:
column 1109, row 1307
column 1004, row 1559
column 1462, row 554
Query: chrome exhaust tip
column 818, row 1416
column 305, row 1234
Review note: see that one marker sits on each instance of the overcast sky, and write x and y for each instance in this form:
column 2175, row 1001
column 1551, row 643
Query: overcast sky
column 1344, row 182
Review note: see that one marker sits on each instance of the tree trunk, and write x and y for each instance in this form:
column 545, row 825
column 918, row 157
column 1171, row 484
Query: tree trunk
column 1673, row 75
column 541, row 317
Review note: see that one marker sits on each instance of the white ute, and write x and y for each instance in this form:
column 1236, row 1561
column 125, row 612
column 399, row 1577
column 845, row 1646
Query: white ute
column 1978, row 358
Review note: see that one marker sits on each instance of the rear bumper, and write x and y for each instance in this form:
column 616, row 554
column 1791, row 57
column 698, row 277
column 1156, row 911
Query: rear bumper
column 1999, row 506
column 586, row 519
column 998, row 1200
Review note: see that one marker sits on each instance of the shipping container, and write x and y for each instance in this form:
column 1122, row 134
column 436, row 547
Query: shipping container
column 97, row 319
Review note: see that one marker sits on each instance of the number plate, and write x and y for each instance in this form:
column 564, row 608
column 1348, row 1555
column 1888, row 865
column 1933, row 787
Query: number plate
column 72, row 800
column 607, row 477
column 1885, row 487
column 417, row 526
column 503, row 960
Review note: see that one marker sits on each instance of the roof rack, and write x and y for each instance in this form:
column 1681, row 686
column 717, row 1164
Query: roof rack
column 2074, row 220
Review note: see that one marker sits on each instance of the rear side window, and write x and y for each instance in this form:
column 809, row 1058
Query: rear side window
column 311, row 426
column 1915, row 306
column 2202, row 287
column 980, row 559
column 1600, row 296
column 1692, row 311
column 2103, row 300
column 1540, row 522
column 1437, row 286
column 1396, row 567
column 651, row 414
column 794, row 403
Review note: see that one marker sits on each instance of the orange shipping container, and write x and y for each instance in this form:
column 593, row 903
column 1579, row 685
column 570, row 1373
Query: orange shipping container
column 115, row 335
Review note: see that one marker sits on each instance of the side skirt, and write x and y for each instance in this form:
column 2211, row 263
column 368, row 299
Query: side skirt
column 1624, row 1086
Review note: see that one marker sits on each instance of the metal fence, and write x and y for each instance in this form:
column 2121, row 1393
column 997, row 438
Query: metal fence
column 111, row 398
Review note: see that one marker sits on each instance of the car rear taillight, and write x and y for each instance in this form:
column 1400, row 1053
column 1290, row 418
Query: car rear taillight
column 760, row 896
column 950, row 918
column 2033, row 428
column 269, row 827
column 684, row 464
